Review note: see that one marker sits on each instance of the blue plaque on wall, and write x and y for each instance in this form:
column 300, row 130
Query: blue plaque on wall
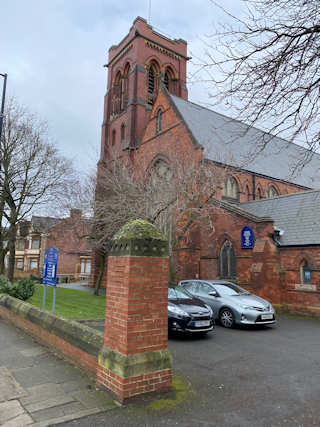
column 247, row 238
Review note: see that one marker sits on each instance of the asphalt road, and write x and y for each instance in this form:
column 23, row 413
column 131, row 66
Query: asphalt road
column 240, row 377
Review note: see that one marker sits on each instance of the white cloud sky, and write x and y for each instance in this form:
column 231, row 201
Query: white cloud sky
column 54, row 50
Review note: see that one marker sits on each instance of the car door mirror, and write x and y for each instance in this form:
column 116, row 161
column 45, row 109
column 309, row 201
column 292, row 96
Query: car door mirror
column 213, row 293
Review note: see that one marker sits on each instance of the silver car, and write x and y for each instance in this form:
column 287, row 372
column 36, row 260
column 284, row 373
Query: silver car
column 230, row 303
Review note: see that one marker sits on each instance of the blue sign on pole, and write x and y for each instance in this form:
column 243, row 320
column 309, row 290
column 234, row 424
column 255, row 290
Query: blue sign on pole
column 49, row 273
column 247, row 238
column 50, row 266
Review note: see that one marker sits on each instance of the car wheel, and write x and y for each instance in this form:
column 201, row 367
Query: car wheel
column 226, row 318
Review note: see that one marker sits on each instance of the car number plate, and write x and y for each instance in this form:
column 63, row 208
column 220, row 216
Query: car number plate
column 200, row 323
column 266, row 316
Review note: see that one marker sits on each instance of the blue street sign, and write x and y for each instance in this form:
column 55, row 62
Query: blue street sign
column 247, row 238
column 49, row 274
column 50, row 266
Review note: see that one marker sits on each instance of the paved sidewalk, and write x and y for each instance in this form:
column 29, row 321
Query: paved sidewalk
column 80, row 286
column 37, row 388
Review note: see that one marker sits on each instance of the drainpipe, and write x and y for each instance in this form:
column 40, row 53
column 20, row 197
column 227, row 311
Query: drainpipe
column 253, row 187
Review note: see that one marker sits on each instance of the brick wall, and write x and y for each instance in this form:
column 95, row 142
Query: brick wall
column 70, row 237
column 302, row 297
column 79, row 344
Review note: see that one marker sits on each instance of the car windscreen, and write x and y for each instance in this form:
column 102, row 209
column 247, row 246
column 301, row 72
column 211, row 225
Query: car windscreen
column 178, row 293
column 230, row 289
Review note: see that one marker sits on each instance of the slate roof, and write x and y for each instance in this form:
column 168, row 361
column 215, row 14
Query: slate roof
column 42, row 223
column 231, row 142
column 298, row 215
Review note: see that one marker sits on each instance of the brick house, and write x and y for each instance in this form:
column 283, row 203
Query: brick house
column 148, row 120
column 68, row 235
column 30, row 244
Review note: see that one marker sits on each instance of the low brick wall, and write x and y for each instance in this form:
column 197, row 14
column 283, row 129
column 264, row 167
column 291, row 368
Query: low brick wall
column 76, row 342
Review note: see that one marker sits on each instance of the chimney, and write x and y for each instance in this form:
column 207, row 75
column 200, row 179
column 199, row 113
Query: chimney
column 75, row 214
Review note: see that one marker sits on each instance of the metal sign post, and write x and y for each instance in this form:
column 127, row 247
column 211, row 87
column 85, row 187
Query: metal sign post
column 49, row 274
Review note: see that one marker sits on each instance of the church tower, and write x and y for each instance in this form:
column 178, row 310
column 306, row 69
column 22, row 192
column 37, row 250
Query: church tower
column 136, row 66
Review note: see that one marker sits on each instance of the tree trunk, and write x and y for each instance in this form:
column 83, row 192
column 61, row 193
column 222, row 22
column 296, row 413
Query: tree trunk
column 172, row 270
column 12, row 250
column 101, row 273
column 3, row 250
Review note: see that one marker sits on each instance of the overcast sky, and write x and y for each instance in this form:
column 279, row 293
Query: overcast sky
column 54, row 50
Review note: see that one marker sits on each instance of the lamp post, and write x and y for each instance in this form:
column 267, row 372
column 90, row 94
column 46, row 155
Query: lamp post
column 2, row 102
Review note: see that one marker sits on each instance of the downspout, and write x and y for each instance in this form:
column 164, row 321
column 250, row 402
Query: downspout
column 253, row 187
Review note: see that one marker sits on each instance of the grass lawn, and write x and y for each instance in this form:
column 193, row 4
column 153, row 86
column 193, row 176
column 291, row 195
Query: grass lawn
column 70, row 303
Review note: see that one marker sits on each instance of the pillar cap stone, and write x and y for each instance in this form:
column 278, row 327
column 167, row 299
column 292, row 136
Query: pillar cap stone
column 139, row 238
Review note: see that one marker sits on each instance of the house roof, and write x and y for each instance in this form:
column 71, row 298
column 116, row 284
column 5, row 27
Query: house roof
column 297, row 215
column 233, row 143
column 42, row 223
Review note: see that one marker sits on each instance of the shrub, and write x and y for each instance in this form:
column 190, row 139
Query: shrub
column 22, row 288
column 36, row 279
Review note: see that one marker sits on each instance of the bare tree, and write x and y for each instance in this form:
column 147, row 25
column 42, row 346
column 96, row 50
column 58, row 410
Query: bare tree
column 172, row 196
column 33, row 173
column 266, row 67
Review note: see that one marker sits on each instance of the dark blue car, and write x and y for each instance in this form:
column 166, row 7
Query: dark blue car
column 187, row 313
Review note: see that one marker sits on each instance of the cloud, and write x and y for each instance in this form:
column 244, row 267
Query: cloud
column 54, row 51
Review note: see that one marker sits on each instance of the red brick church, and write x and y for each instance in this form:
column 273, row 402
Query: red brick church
column 266, row 221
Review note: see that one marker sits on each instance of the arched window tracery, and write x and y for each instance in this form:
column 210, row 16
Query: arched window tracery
column 230, row 188
column 168, row 80
column 272, row 192
column 227, row 261
column 152, row 82
column 159, row 121
column 125, row 86
column 305, row 272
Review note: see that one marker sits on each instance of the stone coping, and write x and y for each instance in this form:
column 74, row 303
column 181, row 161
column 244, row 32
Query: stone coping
column 71, row 331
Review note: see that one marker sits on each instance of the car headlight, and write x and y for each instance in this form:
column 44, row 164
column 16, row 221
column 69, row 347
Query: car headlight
column 247, row 307
column 210, row 309
column 177, row 310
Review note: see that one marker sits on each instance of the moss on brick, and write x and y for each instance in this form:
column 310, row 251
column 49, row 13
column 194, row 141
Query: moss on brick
column 139, row 238
column 134, row 364
column 139, row 229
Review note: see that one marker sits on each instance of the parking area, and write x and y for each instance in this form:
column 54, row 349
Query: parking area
column 254, row 377
column 240, row 378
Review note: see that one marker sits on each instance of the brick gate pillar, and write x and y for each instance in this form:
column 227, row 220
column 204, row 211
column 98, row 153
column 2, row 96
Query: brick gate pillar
column 135, row 358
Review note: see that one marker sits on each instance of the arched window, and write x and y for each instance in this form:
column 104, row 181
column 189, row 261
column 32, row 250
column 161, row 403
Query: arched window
column 259, row 194
column 305, row 272
column 117, row 94
column 152, row 83
column 113, row 137
column 162, row 171
column 227, row 261
column 159, row 121
column 123, row 132
column 230, row 188
column 272, row 192
column 168, row 79
column 125, row 87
